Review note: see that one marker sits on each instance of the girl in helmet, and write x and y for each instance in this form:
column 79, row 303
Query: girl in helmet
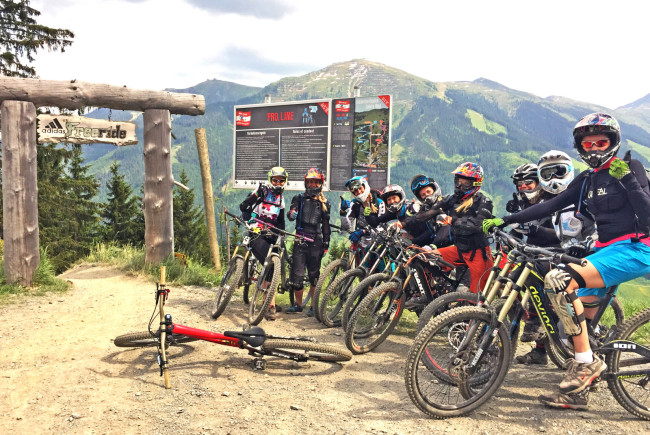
column 266, row 203
column 311, row 211
column 467, row 208
column 615, row 192
column 428, row 226
column 366, row 203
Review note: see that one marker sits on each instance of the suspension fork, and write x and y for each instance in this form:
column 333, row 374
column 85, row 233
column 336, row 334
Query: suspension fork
column 161, row 293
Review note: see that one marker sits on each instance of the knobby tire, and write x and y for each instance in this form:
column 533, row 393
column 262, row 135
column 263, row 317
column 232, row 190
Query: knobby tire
column 313, row 351
column 262, row 297
column 227, row 287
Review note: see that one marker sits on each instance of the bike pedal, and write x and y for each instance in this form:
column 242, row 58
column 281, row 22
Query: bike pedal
column 259, row 364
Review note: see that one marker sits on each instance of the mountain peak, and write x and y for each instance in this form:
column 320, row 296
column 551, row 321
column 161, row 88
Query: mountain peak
column 644, row 101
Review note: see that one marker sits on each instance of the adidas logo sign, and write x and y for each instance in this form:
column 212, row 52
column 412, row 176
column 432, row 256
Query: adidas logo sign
column 53, row 127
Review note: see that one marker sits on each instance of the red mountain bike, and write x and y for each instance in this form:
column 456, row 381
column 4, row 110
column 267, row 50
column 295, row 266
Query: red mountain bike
column 254, row 340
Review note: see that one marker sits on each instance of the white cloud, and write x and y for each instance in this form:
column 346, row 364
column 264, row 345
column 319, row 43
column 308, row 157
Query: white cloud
column 583, row 51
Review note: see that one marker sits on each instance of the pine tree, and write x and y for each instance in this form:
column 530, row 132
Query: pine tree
column 21, row 37
column 190, row 232
column 121, row 212
column 82, row 188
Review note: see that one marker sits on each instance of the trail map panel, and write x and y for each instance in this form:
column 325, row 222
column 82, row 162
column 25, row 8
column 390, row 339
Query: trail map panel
column 292, row 135
column 361, row 140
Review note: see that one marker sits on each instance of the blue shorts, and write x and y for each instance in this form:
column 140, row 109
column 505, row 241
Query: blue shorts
column 618, row 263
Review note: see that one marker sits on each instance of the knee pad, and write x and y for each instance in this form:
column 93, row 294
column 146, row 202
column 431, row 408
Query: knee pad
column 555, row 284
column 294, row 286
column 313, row 279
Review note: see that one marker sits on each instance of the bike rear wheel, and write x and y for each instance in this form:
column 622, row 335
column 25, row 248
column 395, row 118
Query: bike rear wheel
column 445, row 303
column 375, row 318
column 440, row 339
column 327, row 276
column 146, row 339
column 264, row 292
column 228, row 285
column 308, row 349
column 335, row 296
column 359, row 292
column 630, row 384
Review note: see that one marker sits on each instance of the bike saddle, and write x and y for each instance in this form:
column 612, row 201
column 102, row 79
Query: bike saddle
column 254, row 336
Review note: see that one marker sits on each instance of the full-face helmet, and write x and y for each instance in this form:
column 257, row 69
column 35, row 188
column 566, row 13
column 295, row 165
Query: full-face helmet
column 595, row 124
column 468, row 180
column 525, row 174
column 419, row 182
column 314, row 174
column 274, row 173
column 392, row 190
column 357, row 182
column 555, row 171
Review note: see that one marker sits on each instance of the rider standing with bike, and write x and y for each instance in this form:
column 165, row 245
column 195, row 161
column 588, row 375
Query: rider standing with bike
column 311, row 211
column 355, row 214
column 467, row 208
column 615, row 192
column 266, row 203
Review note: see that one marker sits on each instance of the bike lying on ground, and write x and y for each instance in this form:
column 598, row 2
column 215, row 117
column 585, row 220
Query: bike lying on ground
column 254, row 340
column 460, row 358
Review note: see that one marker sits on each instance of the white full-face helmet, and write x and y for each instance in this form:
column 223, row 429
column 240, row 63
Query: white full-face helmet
column 555, row 170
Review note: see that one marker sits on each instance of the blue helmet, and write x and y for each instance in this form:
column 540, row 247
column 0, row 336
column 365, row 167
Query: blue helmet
column 355, row 183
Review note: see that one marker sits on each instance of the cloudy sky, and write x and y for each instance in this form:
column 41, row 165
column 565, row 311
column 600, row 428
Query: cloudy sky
column 590, row 51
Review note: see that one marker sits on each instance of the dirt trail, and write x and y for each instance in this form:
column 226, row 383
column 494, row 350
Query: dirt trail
column 60, row 373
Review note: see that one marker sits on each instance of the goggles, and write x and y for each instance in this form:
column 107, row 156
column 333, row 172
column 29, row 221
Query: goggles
column 525, row 182
column 465, row 183
column 419, row 182
column 553, row 171
column 280, row 181
column 354, row 185
column 589, row 144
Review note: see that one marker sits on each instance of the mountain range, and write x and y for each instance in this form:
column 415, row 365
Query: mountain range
column 436, row 126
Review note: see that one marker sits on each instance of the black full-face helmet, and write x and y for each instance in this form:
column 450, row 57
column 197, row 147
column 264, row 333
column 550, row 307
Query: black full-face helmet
column 595, row 124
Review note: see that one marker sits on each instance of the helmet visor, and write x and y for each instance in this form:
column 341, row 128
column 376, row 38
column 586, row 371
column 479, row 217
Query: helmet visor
column 553, row 171
column 419, row 182
column 354, row 185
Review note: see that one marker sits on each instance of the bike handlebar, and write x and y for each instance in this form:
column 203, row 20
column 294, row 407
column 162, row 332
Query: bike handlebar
column 534, row 250
column 274, row 228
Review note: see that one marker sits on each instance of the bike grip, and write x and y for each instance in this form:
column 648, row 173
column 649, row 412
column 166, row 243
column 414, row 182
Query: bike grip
column 564, row 258
column 444, row 263
column 336, row 227
column 230, row 214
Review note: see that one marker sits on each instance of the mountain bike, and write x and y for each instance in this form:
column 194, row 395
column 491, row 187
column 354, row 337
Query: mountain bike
column 254, row 340
column 335, row 295
column 473, row 346
column 273, row 268
column 243, row 268
column 348, row 260
column 378, row 313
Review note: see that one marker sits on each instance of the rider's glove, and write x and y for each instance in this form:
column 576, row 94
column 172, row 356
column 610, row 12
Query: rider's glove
column 356, row 235
column 512, row 206
column 367, row 211
column 619, row 169
column 345, row 206
column 488, row 224
column 252, row 219
column 325, row 248
column 293, row 214
column 578, row 251
column 532, row 229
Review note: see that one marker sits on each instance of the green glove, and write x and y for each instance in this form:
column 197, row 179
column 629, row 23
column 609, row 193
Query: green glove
column 367, row 211
column 488, row 224
column 619, row 169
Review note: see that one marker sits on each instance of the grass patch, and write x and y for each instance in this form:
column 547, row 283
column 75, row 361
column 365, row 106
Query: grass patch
column 131, row 259
column 480, row 123
column 44, row 282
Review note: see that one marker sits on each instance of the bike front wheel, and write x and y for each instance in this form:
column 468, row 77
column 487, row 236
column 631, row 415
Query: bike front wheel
column 375, row 318
column 306, row 349
column 327, row 276
column 267, row 282
column 147, row 339
column 227, row 287
column 630, row 381
column 359, row 292
column 440, row 342
column 335, row 296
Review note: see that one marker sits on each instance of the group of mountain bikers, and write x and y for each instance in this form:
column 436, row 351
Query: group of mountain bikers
column 551, row 205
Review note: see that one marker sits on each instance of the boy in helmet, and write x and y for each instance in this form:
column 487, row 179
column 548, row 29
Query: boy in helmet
column 467, row 208
column 615, row 192
column 266, row 203
column 311, row 211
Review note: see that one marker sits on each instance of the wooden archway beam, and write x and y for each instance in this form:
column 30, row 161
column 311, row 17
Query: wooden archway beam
column 75, row 94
